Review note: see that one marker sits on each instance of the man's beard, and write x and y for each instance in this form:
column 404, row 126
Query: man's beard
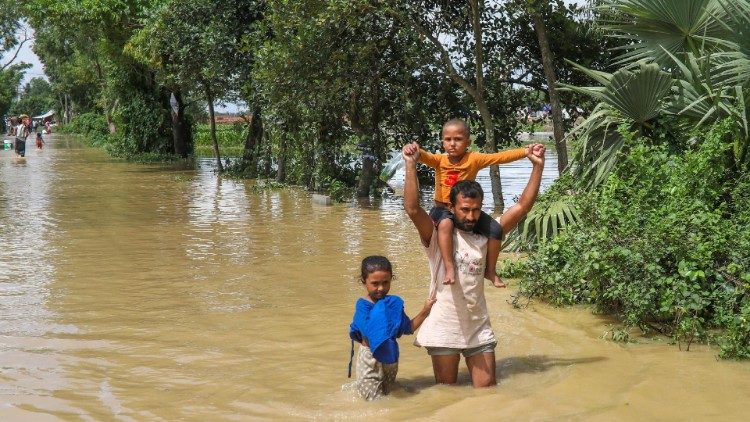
column 465, row 226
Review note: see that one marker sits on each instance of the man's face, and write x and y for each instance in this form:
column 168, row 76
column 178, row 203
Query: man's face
column 466, row 212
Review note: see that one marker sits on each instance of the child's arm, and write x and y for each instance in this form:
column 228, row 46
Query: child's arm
column 501, row 157
column 422, row 315
column 428, row 158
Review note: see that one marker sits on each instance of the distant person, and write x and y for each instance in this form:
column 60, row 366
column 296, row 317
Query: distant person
column 13, row 124
column 39, row 141
column 379, row 319
column 48, row 127
column 460, row 164
column 459, row 322
column 22, row 132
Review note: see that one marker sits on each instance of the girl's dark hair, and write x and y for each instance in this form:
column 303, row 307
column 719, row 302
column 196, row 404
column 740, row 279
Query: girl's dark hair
column 375, row 263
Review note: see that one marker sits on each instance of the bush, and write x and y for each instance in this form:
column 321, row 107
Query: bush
column 663, row 243
column 88, row 124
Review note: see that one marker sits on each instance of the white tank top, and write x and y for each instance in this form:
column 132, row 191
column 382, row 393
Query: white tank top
column 459, row 317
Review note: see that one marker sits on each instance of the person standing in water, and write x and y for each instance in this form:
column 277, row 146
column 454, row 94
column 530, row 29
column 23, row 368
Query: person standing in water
column 39, row 141
column 459, row 323
column 22, row 132
column 379, row 319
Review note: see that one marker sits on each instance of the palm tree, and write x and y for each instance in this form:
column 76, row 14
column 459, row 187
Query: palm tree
column 688, row 58
column 704, row 46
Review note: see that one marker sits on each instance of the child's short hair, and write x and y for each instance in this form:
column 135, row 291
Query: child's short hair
column 468, row 189
column 375, row 263
column 458, row 122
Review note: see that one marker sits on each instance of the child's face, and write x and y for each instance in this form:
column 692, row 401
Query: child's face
column 377, row 284
column 455, row 141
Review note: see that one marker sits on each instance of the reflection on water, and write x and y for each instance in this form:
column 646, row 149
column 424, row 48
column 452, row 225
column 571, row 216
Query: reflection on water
column 131, row 293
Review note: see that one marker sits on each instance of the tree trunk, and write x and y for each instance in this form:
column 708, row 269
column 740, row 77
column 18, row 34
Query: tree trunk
column 268, row 160
column 310, row 167
column 68, row 109
column 491, row 146
column 254, row 138
column 371, row 152
column 281, row 160
column 212, row 123
column 549, row 73
column 110, row 121
column 180, row 127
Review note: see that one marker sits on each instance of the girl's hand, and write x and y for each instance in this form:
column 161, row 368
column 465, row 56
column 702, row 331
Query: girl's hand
column 428, row 305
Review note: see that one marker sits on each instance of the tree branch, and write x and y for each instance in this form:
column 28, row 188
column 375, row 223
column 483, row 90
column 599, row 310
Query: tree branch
column 478, row 45
column 446, row 59
column 26, row 38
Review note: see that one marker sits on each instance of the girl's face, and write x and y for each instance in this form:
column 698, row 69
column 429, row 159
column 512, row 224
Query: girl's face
column 377, row 284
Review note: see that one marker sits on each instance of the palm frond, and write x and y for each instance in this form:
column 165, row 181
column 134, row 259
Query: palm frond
column 542, row 224
column 677, row 26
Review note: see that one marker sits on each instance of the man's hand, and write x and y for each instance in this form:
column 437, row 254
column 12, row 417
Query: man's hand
column 410, row 152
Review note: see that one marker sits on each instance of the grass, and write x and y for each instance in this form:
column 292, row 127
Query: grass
column 231, row 138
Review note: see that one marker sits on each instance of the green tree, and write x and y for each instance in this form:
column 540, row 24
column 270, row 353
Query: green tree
column 197, row 47
column 341, row 77
column 35, row 98
column 12, row 37
column 126, row 93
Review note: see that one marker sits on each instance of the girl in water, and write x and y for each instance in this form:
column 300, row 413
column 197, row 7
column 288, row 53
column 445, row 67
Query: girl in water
column 379, row 319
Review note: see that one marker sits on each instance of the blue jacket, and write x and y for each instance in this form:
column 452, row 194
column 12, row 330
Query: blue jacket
column 381, row 323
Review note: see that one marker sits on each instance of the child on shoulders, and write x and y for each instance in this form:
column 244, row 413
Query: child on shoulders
column 460, row 164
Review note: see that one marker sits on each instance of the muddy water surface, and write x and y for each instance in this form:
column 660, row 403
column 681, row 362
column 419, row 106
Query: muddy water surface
column 152, row 293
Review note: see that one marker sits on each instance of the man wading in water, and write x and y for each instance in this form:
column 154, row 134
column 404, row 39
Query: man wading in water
column 458, row 322
column 22, row 132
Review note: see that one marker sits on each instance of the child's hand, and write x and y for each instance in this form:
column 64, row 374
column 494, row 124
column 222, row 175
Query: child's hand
column 428, row 304
column 410, row 151
column 537, row 154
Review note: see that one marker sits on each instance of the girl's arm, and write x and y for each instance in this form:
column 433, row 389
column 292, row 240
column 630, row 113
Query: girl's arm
column 422, row 315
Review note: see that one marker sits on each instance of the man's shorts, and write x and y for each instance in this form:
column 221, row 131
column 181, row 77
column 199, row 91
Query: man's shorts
column 486, row 226
column 20, row 147
column 448, row 351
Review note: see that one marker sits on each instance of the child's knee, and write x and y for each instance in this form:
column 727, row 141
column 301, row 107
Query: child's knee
column 445, row 225
column 496, row 230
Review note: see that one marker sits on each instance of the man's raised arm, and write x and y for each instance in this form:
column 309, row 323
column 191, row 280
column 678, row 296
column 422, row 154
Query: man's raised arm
column 418, row 215
column 510, row 218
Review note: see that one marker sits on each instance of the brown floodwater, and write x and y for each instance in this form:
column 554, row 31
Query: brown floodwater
column 152, row 293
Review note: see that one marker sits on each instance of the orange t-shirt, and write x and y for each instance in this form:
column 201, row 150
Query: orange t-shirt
column 447, row 173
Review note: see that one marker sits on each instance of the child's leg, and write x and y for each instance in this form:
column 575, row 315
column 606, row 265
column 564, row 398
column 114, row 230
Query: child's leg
column 370, row 375
column 445, row 243
column 490, row 227
column 490, row 271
